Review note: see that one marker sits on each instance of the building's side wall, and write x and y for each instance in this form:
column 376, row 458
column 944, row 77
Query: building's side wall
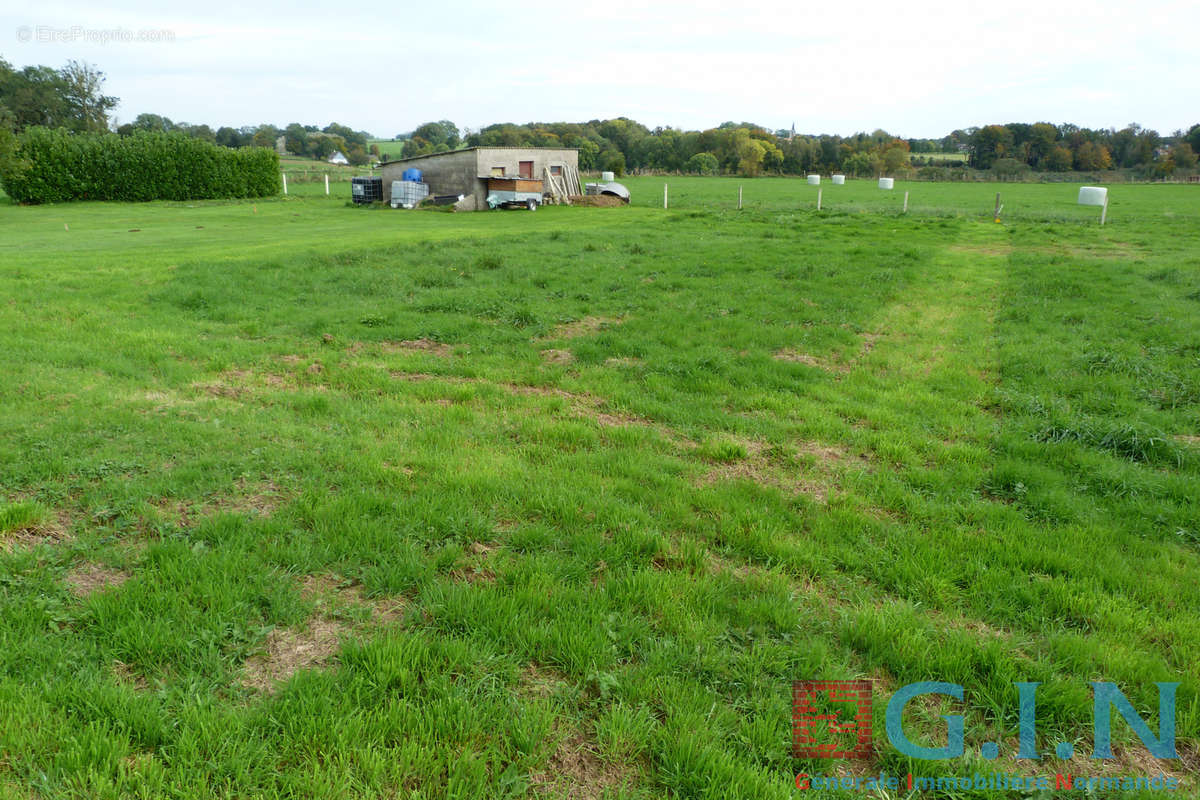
column 446, row 173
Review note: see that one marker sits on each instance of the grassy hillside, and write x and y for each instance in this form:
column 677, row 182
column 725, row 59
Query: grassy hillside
column 302, row 499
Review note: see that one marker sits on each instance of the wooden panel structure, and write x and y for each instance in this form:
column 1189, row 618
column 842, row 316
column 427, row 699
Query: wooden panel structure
column 564, row 186
column 513, row 185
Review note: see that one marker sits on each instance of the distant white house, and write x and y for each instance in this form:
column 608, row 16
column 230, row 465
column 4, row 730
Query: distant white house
column 338, row 157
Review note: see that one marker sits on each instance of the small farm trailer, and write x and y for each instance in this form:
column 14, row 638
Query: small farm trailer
column 514, row 192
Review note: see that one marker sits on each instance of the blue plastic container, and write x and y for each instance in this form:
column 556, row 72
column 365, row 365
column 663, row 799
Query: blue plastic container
column 412, row 174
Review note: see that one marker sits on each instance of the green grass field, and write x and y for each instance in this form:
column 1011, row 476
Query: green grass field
column 299, row 499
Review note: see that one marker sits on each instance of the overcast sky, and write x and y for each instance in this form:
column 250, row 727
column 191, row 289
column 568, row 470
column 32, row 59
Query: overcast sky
column 916, row 69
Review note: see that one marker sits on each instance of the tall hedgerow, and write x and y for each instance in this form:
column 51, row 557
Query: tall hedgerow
column 54, row 166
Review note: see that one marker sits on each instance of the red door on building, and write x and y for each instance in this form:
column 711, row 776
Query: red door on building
column 526, row 169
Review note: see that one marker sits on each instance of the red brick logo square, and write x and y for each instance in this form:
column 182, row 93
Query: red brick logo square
column 831, row 719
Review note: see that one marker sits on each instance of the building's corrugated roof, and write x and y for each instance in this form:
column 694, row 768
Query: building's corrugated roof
column 467, row 149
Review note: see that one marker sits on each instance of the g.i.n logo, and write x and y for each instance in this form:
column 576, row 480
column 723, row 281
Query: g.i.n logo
column 817, row 725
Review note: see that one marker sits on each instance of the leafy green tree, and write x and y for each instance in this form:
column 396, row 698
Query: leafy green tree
column 613, row 161
column 1193, row 138
column 895, row 159
column 1042, row 138
column 772, row 160
column 348, row 134
column 83, row 95
column 859, row 164
column 265, row 136
column 295, row 139
column 589, row 154
column 441, row 132
column 702, row 164
column 750, row 153
column 416, row 146
column 1005, row 168
column 1183, row 155
column 153, row 123
column 989, row 143
column 33, row 96
column 230, row 137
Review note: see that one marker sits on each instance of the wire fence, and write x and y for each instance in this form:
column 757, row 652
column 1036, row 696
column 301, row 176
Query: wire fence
column 1029, row 202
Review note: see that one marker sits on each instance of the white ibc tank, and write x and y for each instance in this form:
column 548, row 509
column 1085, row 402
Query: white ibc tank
column 607, row 177
column 838, row 180
column 886, row 183
column 1093, row 196
column 814, row 180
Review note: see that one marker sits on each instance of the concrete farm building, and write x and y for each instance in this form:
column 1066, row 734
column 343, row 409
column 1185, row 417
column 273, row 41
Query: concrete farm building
column 466, row 172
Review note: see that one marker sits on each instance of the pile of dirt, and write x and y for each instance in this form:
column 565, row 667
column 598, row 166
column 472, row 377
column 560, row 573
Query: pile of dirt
column 596, row 200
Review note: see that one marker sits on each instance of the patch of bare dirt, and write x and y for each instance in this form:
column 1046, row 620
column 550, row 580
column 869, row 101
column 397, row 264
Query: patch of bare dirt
column 89, row 578
column 230, row 384
column 868, row 343
column 824, row 453
column 129, row 676
column 1133, row 761
column 287, row 651
column 540, row 681
column 981, row 249
column 329, row 591
column 416, row 346
column 52, row 528
column 576, row 770
column 477, row 568
column 236, row 384
column 417, row 377
column 592, row 407
column 755, row 471
column 796, row 357
column 596, row 200
column 1188, row 439
column 260, row 498
column 791, row 479
column 719, row 565
column 582, row 327
column 553, row 356
column 626, row 361
column 833, row 365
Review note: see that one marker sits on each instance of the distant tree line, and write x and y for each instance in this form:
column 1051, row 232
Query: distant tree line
column 745, row 148
column 1060, row 148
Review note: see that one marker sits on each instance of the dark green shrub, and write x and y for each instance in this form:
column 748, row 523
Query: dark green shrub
column 54, row 166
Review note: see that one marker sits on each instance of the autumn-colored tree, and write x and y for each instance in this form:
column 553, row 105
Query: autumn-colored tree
column 1091, row 156
column 1057, row 159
